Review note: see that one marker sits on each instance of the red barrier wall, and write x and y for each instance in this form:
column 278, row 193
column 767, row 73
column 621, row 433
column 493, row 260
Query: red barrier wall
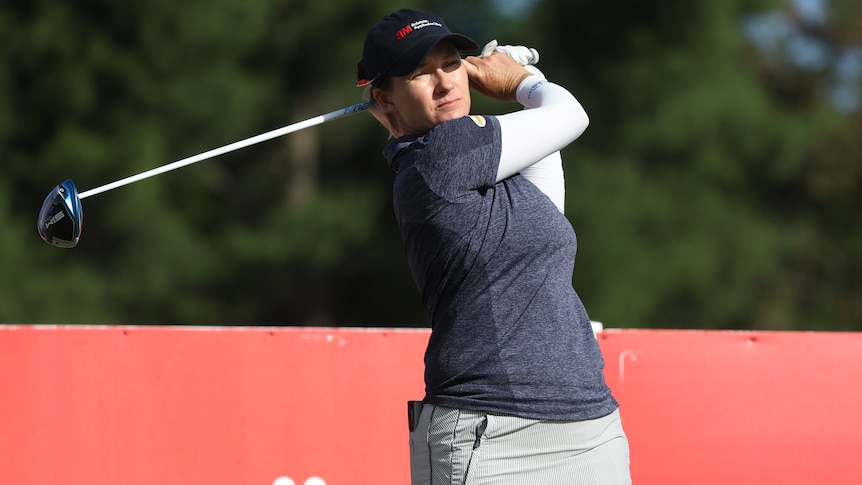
column 739, row 407
column 300, row 406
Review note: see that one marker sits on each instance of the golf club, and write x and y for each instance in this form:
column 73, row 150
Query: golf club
column 61, row 216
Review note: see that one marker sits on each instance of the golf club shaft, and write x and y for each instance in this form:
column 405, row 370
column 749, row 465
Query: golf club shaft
column 228, row 148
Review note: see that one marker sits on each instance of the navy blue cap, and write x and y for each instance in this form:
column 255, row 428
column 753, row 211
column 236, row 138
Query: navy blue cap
column 398, row 43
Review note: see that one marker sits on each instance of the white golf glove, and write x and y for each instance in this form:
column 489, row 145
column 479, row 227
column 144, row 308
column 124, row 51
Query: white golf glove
column 525, row 56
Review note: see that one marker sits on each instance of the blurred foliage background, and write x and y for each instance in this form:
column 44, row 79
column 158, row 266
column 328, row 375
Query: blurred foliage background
column 718, row 186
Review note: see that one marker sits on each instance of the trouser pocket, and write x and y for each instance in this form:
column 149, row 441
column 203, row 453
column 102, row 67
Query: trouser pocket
column 455, row 443
column 475, row 455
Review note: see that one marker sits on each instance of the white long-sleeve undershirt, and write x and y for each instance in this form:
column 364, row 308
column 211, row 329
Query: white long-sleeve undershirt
column 532, row 138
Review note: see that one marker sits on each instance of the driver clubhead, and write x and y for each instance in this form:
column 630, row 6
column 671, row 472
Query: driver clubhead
column 59, row 220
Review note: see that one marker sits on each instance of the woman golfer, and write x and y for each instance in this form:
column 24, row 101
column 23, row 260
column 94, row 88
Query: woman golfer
column 513, row 373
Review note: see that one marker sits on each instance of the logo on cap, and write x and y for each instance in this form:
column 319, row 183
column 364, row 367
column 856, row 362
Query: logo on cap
column 403, row 32
column 419, row 24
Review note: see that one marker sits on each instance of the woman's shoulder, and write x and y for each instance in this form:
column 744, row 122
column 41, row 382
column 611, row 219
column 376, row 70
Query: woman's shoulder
column 447, row 143
column 463, row 133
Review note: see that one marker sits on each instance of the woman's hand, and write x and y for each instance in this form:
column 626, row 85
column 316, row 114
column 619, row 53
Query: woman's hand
column 496, row 75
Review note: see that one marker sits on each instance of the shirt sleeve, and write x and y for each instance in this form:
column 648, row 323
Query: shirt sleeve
column 460, row 156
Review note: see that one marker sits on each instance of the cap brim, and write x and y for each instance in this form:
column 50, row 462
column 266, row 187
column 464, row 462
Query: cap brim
column 410, row 60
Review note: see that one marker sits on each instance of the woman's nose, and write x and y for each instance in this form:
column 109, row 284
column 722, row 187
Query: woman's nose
column 445, row 80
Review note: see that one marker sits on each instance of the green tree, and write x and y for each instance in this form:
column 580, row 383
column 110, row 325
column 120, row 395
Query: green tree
column 815, row 59
column 717, row 186
column 680, row 187
column 289, row 232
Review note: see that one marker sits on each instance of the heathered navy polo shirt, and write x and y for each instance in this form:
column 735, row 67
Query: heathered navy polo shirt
column 493, row 263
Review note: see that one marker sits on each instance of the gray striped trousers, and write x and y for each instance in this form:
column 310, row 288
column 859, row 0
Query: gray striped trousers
column 463, row 447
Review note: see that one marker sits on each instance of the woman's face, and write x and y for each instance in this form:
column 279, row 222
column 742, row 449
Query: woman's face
column 437, row 90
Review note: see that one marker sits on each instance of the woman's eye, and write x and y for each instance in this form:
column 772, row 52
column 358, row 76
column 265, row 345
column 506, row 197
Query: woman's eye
column 452, row 65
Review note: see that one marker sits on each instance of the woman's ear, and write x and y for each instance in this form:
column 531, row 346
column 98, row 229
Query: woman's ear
column 382, row 98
